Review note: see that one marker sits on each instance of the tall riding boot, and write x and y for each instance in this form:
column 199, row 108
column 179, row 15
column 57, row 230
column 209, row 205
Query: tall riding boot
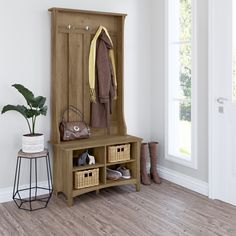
column 143, row 168
column 153, row 156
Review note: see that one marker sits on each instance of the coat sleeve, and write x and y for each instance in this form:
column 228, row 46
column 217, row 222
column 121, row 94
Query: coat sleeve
column 103, row 73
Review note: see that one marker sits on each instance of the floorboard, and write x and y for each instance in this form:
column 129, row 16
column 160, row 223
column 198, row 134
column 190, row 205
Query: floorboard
column 164, row 210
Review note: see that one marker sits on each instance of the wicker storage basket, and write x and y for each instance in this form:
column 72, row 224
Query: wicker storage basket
column 86, row 178
column 118, row 153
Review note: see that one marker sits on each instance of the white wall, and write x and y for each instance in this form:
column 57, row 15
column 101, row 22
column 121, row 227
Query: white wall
column 25, row 58
column 158, row 88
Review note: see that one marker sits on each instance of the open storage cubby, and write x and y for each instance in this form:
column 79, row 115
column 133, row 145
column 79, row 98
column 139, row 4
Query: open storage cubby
column 98, row 152
column 72, row 32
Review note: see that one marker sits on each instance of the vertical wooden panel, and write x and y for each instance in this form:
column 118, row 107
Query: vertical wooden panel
column 54, row 104
column 87, row 40
column 67, row 170
column 102, row 175
column 62, row 73
column 57, row 170
column 120, row 74
column 114, row 103
column 76, row 82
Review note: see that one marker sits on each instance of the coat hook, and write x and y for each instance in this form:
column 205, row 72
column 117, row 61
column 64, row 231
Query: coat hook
column 69, row 27
column 87, row 28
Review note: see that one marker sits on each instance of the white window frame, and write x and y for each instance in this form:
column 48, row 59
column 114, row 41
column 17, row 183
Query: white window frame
column 193, row 161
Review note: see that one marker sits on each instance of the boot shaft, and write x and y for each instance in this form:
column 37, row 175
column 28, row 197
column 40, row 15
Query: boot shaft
column 153, row 154
column 144, row 149
column 143, row 156
column 153, row 148
column 153, row 157
column 143, row 164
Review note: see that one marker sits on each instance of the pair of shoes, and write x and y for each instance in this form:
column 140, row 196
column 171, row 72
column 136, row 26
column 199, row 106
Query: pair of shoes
column 125, row 172
column 113, row 174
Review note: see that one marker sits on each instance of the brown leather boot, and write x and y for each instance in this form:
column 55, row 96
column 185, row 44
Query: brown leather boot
column 143, row 168
column 153, row 156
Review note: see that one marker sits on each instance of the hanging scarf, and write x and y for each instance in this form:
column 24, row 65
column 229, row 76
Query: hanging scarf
column 92, row 60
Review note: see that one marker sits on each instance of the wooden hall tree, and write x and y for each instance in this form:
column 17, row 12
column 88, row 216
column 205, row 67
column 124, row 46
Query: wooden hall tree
column 72, row 32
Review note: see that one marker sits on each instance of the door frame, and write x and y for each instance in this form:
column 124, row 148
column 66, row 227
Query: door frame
column 210, row 100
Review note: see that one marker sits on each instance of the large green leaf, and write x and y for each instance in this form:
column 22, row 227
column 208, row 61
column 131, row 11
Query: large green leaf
column 27, row 94
column 43, row 110
column 32, row 112
column 38, row 102
column 21, row 109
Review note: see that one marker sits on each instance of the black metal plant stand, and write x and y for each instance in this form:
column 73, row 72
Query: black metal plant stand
column 34, row 197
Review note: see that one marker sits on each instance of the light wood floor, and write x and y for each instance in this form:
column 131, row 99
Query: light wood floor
column 165, row 209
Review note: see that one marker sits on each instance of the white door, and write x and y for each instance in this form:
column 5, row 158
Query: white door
column 222, row 108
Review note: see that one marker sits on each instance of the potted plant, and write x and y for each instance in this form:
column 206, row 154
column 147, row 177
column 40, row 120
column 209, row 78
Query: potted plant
column 31, row 142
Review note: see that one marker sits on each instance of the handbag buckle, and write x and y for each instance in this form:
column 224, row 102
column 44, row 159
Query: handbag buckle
column 76, row 128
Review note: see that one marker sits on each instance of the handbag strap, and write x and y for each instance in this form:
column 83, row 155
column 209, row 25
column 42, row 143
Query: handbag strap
column 75, row 110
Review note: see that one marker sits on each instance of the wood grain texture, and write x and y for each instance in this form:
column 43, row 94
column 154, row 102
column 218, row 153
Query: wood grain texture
column 70, row 51
column 72, row 32
column 84, row 11
column 64, row 169
column 164, row 210
column 75, row 80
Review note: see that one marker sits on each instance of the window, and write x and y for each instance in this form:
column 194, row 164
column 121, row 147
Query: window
column 180, row 82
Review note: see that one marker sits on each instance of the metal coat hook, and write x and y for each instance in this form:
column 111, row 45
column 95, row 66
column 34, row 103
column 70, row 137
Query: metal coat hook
column 87, row 28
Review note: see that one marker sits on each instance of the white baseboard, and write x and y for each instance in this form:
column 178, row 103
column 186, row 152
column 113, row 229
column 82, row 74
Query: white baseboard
column 183, row 180
column 6, row 193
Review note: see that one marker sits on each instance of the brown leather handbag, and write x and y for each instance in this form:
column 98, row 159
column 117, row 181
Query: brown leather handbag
column 72, row 130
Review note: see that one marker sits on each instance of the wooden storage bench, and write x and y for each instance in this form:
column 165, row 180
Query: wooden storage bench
column 64, row 170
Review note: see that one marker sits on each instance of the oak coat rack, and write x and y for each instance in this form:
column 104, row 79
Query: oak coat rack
column 72, row 32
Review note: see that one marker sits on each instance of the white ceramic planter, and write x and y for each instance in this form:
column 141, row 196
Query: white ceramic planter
column 31, row 144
